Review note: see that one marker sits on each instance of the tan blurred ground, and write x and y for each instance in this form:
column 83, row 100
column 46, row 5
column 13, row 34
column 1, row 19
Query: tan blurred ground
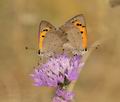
column 19, row 19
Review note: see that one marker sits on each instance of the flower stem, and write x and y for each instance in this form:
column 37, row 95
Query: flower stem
column 85, row 57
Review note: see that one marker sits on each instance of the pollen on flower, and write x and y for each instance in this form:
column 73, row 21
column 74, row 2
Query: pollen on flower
column 58, row 71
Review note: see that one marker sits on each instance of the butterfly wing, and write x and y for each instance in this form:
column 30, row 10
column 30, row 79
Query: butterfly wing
column 52, row 43
column 44, row 28
column 75, row 28
column 50, row 39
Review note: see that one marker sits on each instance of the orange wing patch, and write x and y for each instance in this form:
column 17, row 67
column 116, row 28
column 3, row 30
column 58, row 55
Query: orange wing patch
column 83, row 31
column 42, row 37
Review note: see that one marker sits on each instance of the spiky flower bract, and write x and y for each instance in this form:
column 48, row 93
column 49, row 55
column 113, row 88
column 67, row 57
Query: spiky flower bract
column 58, row 72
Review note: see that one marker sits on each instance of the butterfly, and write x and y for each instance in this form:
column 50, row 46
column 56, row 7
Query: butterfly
column 70, row 36
column 76, row 31
column 50, row 39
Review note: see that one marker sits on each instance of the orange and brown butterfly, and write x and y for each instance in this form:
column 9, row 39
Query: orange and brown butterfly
column 50, row 39
column 76, row 31
column 70, row 37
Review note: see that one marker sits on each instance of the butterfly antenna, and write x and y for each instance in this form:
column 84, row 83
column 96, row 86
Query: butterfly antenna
column 28, row 48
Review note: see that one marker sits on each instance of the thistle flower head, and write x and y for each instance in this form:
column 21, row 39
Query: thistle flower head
column 63, row 96
column 58, row 71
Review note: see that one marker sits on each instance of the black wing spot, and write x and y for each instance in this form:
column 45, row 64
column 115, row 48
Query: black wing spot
column 81, row 32
column 85, row 49
column 43, row 36
column 39, row 52
column 45, row 29
column 78, row 24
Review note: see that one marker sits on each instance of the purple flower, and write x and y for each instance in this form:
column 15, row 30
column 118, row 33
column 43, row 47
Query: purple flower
column 58, row 71
column 63, row 95
column 67, row 95
column 58, row 99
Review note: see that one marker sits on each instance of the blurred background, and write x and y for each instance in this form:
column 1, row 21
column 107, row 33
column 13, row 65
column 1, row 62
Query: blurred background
column 19, row 21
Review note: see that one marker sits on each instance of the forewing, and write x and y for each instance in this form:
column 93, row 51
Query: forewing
column 75, row 28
